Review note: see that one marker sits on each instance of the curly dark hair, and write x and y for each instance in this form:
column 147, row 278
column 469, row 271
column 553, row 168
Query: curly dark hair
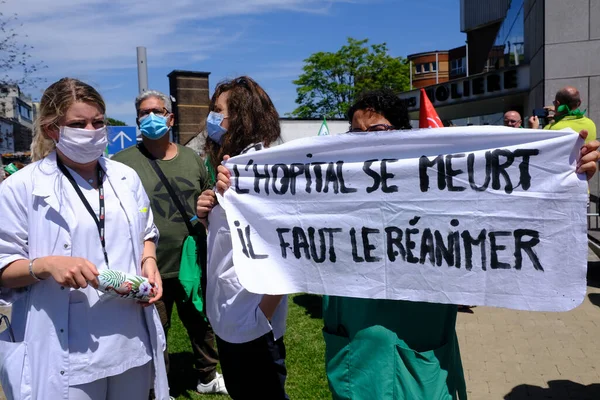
column 252, row 119
column 384, row 102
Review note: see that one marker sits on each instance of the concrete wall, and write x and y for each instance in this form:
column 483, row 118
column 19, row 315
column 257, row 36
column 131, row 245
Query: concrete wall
column 572, row 50
column 534, row 51
column 296, row 129
column 572, row 57
column 563, row 47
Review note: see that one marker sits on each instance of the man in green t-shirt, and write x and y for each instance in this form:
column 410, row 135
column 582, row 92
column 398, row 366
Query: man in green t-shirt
column 187, row 175
column 566, row 103
column 567, row 115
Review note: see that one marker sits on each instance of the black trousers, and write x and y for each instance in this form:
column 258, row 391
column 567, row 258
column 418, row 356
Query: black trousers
column 199, row 331
column 254, row 370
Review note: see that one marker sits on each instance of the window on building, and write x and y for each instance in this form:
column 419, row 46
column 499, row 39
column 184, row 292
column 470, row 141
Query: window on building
column 509, row 46
column 418, row 68
column 458, row 66
column 434, row 66
column 25, row 112
column 426, row 67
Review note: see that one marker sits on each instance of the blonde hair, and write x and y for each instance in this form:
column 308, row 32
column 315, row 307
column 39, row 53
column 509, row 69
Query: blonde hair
column 55, row 102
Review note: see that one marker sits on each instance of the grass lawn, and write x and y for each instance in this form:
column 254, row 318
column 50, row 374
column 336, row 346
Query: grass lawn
column 305, row 354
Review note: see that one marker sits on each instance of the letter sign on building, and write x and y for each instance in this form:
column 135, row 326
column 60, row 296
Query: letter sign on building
column 482, row 86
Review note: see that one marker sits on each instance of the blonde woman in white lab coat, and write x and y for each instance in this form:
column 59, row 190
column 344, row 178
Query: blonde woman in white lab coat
column 64, row 218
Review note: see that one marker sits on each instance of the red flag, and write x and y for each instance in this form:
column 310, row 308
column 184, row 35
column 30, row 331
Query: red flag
column 428, row 117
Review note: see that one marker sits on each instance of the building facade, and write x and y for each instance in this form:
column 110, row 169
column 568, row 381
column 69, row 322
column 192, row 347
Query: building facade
column 7, row 136
column 491, row 73
column 16, row 121
column 517, row 55
column 428, row 68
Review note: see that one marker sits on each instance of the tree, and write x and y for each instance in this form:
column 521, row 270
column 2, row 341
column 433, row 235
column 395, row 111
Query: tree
column 331, row 81
column 16, row 65
column 115, row 122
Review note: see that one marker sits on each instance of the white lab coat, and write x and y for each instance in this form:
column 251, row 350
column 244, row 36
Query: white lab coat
column 233, row 311
column 35, row 221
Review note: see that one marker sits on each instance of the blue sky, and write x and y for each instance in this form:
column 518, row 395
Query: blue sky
column 95, row 40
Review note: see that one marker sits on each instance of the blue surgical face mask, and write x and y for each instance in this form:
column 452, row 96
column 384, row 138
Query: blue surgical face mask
column 213, row 127
column 154, row 126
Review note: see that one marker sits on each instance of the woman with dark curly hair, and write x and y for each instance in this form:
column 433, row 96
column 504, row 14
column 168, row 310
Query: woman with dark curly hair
column 378, row 110
column 249, row 327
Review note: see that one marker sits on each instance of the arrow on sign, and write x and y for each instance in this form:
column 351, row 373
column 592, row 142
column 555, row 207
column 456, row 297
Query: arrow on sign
column 122, row 135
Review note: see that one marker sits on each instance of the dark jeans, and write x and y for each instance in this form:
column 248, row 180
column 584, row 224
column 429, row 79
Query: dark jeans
column 254, row 370
column 199, row 331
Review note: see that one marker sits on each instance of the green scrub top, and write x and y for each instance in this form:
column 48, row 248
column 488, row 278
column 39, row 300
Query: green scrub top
column 387, row 349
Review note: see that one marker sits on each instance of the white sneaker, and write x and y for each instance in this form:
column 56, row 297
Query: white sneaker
column 216, row 386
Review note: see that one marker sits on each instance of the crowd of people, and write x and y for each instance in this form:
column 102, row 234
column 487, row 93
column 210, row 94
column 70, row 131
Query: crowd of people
column 73, row 213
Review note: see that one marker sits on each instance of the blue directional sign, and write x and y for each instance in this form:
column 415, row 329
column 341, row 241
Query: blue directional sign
column 120, row 138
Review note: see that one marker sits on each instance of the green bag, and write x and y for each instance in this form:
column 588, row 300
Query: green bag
column 190, row 272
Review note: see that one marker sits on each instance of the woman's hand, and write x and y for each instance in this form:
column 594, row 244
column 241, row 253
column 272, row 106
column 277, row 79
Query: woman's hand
column 150, row 271
column 73, row 272
column 206, row 201
column 223, row 177
column 588, row 157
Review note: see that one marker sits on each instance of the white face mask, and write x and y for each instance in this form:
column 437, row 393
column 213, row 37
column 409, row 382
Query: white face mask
column 81, row 145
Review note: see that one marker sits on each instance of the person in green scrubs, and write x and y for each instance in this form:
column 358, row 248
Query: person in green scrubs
column 390, row 349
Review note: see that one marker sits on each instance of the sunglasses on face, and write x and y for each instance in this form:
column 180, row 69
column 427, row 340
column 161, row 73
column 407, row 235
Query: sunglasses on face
column 375, row 128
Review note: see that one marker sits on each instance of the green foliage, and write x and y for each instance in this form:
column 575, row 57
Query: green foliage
column 115, row 122
column 331, row 81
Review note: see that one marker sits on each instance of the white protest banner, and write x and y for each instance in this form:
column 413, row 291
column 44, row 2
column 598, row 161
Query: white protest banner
column 468, row 215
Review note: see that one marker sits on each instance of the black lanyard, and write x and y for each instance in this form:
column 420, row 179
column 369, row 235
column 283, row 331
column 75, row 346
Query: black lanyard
column 99, row 222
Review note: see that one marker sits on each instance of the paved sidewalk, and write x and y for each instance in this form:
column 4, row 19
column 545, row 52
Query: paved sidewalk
column 530, row 355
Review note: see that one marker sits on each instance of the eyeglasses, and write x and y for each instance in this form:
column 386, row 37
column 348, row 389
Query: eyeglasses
column 375, row 128
column 157, row 111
